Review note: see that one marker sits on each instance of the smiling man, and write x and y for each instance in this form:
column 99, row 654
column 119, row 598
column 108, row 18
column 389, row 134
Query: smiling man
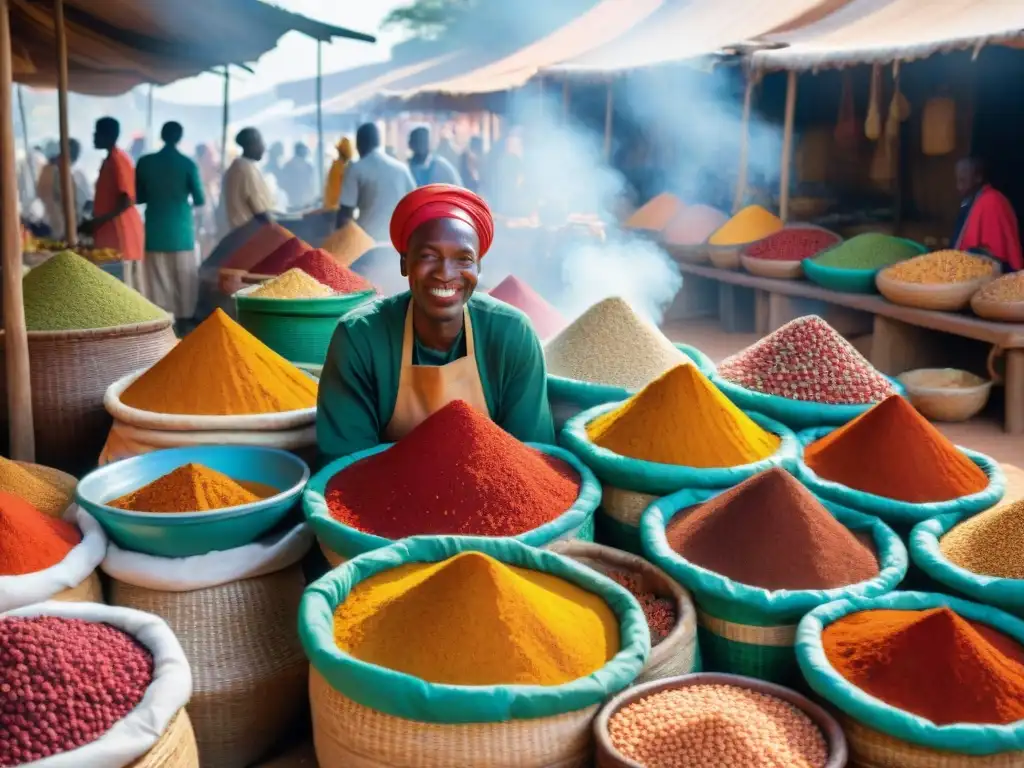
column 395, row 361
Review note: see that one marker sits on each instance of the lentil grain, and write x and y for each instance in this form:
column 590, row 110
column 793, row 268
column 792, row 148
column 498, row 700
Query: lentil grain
column 942, row 268
column 1008, row 288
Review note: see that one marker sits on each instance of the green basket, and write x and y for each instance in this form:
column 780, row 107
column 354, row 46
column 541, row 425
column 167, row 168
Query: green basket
column 848, row 280
column 299, row 330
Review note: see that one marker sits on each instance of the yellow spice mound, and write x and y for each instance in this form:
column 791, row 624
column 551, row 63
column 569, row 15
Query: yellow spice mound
column 991, row 543
column 682, row 418
column 221, row 369
column 293, row 284
column 656, row 213
column 189, row 488
column 942, row 267
column 750, row 224
column 472, row 620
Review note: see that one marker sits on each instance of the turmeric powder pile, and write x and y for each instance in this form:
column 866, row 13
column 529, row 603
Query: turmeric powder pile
column 472, row 620
column 747, row 226
column 682, row 418
column 220, row 369
column 189, row 488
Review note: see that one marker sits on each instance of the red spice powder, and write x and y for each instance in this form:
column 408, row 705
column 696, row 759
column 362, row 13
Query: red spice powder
column 281, row 258
column 545, row 318
column 456, row 473
column 792, row 244
column 892, row 451
column 325, row 269
column 260, row 244
column 30, row 540
column 660, row 612
column 932, row 663
column 771, row 532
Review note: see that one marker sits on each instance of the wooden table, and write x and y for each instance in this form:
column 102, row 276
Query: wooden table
column 903, row 337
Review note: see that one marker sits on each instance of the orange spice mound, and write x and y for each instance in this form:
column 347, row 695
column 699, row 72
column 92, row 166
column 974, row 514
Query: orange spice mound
column 189, row 488
column 31, row 541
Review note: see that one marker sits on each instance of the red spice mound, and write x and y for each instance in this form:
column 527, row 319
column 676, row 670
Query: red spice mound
column 771, row 532
column 456, row 473
column 30, row 540
column 325, row 269
column 282, row 258
column 932, row 663
column 792, row 244
column 258, row 246
column 545, row 318
column 892, row 451
column 65, row 682
column 660, row 612
column 807, row 359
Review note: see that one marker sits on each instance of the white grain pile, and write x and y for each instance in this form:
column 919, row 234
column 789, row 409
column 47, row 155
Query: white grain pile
column 610, row 344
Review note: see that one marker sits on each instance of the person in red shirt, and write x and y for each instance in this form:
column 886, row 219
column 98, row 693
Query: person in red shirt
column 987, row 222
column 117, row 223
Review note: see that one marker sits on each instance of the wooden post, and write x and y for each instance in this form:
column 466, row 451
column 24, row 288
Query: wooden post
column 897, row 161
column 224, row 121
column 30, row 158
column 741, row 179
column 787, row 147
column 67, row 187
column 608, row 116
column 19, row 382
column 320, row 108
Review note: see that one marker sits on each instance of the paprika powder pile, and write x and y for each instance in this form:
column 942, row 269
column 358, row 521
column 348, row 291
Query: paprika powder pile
column 932, row 663
column 324, row 268
column 456, row 473
column 545, row 318
column 31, row 541
column 282, row 258
column 682, row 418
column 220, row 369
column 771, row 532
column 473, row 620
column 189, row 488
column 893, row 451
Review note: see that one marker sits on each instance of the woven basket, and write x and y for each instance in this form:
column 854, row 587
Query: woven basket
column 350, row 735
column 618, row 518
column 176, row 748
column 725, row 256
column 937, row 398
column 71, row 371
column 943, row 298
column 1001, row 311
column 872, row 749
column 89, row 591
column 777, row 269
column 248, row 668
column 677, row 654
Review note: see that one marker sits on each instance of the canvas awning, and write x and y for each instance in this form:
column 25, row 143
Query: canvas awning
column 117, row 44
column 882, row 31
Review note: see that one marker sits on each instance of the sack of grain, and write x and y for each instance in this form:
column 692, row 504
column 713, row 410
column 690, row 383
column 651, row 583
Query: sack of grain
column 73, row 579
column 157, row 733
column 366, row 716
column 234, row 613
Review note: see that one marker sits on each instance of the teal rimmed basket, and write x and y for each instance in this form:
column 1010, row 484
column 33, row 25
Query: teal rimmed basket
column 879, row 734
column 341, row 542
column 747, row 630
column 299, row 330
column 848, row 280
column 570, row 396
column 366, row 714
column 629, row 486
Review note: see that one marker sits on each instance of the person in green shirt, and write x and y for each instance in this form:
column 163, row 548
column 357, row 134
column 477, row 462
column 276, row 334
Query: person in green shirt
column 395, row 361
column 168, row 184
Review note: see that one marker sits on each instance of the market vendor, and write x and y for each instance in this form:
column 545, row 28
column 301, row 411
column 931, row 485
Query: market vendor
column 397, row 360
column 986, row 222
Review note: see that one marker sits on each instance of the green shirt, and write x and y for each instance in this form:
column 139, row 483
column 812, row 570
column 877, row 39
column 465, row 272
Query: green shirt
column 359, row 384
column 164, row 182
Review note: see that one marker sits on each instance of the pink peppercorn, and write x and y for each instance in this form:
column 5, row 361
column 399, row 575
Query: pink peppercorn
column 64, row 683
column 660, row 612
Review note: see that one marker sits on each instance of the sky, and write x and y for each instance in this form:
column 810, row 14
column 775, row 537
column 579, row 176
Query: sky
column 295, row 55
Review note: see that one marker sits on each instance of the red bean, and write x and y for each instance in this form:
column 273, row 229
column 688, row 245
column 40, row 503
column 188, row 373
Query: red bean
column 64, row 683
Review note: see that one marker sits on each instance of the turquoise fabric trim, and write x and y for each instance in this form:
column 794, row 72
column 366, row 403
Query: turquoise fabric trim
column 349, row 542
column 402, row 695
column 821, row 675
column 659, row 479
column 903, row 512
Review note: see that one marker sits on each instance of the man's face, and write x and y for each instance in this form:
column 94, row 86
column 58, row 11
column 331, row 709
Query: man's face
column 443, row 267
column 967, row 178
column 419, row 142
column 257, row 148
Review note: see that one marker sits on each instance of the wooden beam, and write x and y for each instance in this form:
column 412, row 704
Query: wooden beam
column 19, row 381
column 608, row 119
column 741, row 178
column 67, row 187
column 787, row 147
column 320, row 108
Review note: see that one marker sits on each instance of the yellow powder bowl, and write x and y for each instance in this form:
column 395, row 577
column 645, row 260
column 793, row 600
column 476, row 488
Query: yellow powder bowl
column 365, row 711
column 749, row 225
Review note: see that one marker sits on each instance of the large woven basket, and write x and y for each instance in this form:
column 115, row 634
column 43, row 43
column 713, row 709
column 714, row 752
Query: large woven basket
column 71, row 371
column 248, row 668
column 176, row 748
column 88, row 591
column 944, row 298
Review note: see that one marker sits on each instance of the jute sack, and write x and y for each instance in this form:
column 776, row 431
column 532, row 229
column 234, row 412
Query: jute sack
column 73, row 579
column 677, row 654
column 157, row 733
column 234, row 612
column 365, row 716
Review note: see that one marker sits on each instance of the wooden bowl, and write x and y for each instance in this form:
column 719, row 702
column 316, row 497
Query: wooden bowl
column 1002, row 311
column 950, row 297
column 776, row 268
column 688, row 254
column 725, row 256
column 609, row 757
column 946, row 394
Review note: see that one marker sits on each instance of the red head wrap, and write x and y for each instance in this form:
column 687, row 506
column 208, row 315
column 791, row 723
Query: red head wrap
column 441, row 201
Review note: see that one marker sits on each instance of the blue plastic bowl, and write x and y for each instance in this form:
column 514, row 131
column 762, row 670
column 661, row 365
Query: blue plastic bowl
column 847, row 280
column 187, row 534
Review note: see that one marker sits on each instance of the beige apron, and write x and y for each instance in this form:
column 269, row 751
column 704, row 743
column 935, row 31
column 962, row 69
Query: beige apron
column 425, row 389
